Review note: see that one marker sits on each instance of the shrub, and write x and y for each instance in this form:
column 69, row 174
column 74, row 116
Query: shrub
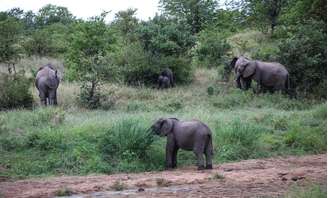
column 63, row 192
column 309, row 139
column 309, row 191
column 126, row 139
column 118, row 186
column 304, row 53
column 238, row 141
column 211, row 49
column 15, row 91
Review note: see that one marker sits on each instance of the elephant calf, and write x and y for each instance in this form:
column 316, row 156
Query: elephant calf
column 47, row 82
column 167, row 72
column 163, row 82
column 188, row 135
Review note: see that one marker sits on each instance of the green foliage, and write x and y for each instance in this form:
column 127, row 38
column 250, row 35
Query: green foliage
column 63, row 192
column 306, row 138
column 118, row 186
column 87, row 58
column 162, row 43
column 211, row 48
column 308, row 191
column 126, row 23
column 238, row 141
column 50, row 40
column 210, row 91
column 298, row 11
column 15, row 92
column 197, row 14
column 165, row 36
column 51, row 14
column 128, row 139
column 11, row 29
column 305, row 55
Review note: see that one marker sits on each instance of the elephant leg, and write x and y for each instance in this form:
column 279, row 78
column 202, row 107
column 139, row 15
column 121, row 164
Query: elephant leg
column 174, row 160
column 200, row 160
column 238, row 83
column 209, row 155
column 52, row 97
column 170, row 147
column 248, row 83
column 43, row 97
column 258, row 88
column 199, row 152
column 55, row 98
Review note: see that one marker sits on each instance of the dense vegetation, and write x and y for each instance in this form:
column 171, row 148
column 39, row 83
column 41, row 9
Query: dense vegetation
column 112, row 66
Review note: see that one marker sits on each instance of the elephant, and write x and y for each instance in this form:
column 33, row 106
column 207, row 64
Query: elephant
column 242, row 83
column 47, row 82
column 270, row 76
column 188, row 135
column 168, row 73
column 163, row 82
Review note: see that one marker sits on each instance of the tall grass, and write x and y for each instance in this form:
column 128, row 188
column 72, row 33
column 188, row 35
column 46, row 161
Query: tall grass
column 309, row 191
column 71, row 140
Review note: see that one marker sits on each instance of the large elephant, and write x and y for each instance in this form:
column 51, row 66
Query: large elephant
column 47, row 82
column 270, row 76
column 188, row 135
column 242, row 83
column 163, row 82
column 168, row 73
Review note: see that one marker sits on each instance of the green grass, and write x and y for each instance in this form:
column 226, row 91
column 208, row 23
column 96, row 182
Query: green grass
column 74, row 141
column 309, row 191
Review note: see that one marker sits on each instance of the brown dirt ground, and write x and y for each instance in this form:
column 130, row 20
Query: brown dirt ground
column 250, row 178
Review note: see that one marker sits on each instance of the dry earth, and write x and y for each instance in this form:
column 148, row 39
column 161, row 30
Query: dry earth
column 250, row 178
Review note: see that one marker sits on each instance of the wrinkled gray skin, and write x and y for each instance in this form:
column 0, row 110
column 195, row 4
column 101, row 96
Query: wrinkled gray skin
column 187, row 135
column 241, row 83
column 168, row 73
column 163, row 82
column 268, row 75
column 47, row 82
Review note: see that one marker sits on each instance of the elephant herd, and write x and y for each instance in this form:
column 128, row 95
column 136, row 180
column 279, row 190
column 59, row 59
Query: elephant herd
column 187, row 135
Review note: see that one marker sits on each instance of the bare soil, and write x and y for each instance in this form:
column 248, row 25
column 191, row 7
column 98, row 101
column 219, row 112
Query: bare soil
column 250, row 178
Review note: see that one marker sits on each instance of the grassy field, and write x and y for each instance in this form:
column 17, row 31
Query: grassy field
column 73, row 141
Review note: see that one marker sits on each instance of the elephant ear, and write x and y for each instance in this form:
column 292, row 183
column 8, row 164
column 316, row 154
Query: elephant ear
column 166, row 126
column 233, row 62
column 249, row 69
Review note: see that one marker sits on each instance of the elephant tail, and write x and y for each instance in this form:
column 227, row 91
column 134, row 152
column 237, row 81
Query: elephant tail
column 287, row 82
column 209, row 145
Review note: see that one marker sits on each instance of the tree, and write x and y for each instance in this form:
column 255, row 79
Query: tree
column 165, row 36
column 87, row 57
column 300, row 11
column 261, row 13
column 126, row 23
column 197, row 13
column 10, row 50
column 304, row 52
column 51, row 14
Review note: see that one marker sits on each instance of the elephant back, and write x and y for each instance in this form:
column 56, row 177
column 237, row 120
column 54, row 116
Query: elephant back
column 47, row 76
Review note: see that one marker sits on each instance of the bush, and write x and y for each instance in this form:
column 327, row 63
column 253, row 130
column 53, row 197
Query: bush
column 238, row 141
column 127, row 139
column 211, row 49
column 309, row 139
column 15, row 91
column 138, row 67
column 304, row 53
column 309, row 191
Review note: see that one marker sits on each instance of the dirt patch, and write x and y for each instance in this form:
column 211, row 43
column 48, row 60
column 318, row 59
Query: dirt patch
column 249, row 178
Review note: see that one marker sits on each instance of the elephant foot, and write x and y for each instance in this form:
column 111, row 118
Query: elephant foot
column 200, row 168
column 169, row 167
column 209, row 166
